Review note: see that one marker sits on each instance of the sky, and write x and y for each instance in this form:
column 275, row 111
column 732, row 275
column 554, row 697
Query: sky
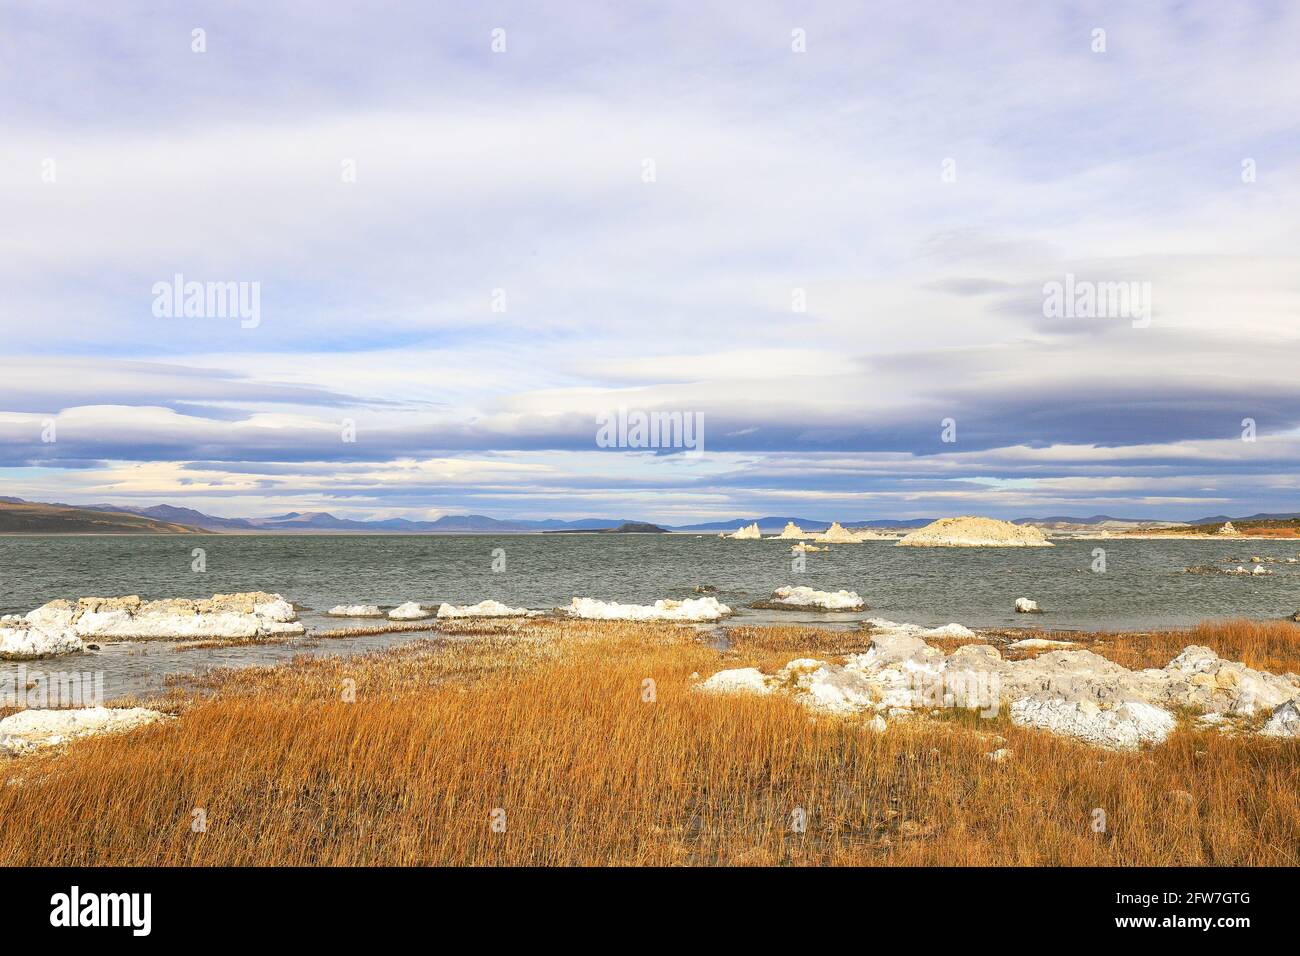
column 828, row 232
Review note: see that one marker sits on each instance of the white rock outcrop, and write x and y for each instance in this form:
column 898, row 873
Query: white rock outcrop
column 692, row 609
column 740, row 680
column 792, row 531
column 1123, row 727
column 30, row 730
column 408, row 611
column 1039, row 644
column 1284, row 721
column 355, row 610
column 749, row 532
column 1072, row 692
column 1227, row 529
column 970, row 531
column 1026, row 606
column 63, row 626
column 487, row 608
column 25, row 638
column 883, row 628
column 836, row 534
column 805, row 597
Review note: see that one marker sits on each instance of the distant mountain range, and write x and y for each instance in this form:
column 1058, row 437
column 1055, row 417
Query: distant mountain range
column 32, row 517
column 307, row 521
column 19, row 516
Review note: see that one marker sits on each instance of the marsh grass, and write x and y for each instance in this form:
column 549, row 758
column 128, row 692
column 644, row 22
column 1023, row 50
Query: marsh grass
column 1264, row 645
column 554, row 724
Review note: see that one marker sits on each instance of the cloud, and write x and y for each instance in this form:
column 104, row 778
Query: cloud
column 799, row 271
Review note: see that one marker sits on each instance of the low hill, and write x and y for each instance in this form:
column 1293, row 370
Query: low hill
column 29, row 517
column 1258, row 527
column 627, row 527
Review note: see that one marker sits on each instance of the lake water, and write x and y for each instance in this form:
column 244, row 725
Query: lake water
column 1144, row 585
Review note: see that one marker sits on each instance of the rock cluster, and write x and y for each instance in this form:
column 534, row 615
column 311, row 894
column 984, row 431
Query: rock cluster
column 805, row 597
column 836, row 534
column 1072, row 692
column 61, row 627
column 692, row 609
column 484, row 609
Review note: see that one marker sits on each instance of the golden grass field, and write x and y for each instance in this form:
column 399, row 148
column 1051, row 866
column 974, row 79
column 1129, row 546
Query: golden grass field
column 544, row 727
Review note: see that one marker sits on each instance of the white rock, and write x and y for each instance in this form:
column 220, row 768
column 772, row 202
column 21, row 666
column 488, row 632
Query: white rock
column 1284, row 722
column 950, row 630
column 1026, row 606
column 355, row 610
column 974, row 532
column 33, row 729
column 748, row 533
column 998, row 756
column 61, row 626
column 1122, row 728
column 1036, row 643
column 692, row 609
column 409, row 611
column 484, row 609
column 792, row 531
column 27, row 640
column 740, row 680
column 803, row 596
column 877, row 724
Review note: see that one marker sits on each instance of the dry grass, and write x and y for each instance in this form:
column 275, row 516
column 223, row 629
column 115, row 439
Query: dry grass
column 1264, row 645
column 549, row 722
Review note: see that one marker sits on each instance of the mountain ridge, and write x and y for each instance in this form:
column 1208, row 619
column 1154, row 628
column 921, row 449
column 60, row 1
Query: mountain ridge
column 173, row 519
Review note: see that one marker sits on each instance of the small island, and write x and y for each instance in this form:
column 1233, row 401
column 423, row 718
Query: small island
column 627, row 527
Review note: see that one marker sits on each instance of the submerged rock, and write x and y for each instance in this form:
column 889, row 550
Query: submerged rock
column 484, row 609
column 61, row 626
column 408, row 611
column 34, row 729
column 805, row 597
column 692, row 609
column 355, row 610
